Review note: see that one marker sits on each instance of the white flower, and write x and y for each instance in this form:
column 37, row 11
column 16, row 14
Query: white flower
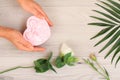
column 66, row 49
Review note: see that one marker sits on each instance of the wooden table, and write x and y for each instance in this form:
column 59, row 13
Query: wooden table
column 70, row 18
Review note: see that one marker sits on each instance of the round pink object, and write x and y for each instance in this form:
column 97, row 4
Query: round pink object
column 37, row 32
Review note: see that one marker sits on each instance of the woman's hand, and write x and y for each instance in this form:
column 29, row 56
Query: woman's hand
column 17, row 39
column 34, row 8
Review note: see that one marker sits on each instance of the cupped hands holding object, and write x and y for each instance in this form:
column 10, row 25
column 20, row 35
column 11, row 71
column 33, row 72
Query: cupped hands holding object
column 15, row 36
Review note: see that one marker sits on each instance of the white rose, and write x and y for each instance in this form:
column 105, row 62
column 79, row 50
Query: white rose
column 66, row 49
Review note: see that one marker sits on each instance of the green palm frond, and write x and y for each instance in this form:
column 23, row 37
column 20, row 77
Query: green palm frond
column 110, row 22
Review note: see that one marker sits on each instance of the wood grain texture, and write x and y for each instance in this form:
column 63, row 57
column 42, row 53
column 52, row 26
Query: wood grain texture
column 70, row 18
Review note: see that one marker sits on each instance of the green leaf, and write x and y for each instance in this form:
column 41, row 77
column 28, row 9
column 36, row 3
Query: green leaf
column 103, row 20
column 67, row 56
column 102, row 32
column 116, row 52
column 112, row 16
column 65, row 59
column 114, row 3
column 71, row 61
column 106, row 72
column 51, row 67
column 113, row 47
column 111, row 7
column 108, row 35
column 59, row 62
column 101, row 24
column 41, row 65
column 111, row 41
column 117, row 61
column 110, row 11
column 108, row 16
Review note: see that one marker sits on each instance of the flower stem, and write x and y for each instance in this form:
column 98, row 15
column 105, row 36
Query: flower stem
column 101, row 74
column 100, row 66
column 107, row 77
column 7, row 70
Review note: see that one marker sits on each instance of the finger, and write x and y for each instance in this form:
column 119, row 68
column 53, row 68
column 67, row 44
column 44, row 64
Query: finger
column 22, row 47
column 46, row 18
column 26, row 44
column 49, row 22
column 39, row 16
column 41, row 12
column 38, row 7
column 39, row 49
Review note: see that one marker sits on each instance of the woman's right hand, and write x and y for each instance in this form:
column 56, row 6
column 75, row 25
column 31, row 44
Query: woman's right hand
column 34, row 8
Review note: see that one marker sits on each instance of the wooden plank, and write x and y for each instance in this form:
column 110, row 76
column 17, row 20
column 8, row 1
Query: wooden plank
column 70, row 18
column 52, row 3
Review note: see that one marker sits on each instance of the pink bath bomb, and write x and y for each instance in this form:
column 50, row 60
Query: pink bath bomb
column 37, row 32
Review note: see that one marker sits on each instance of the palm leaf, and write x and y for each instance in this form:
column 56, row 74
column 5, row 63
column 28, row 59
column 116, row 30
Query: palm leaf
column 102, row 19
column 117, row 61
column 110, row 11
column 107, row 15
column 113, row 47
column 106, row 71
column 116, row 52
column 107, row 36
column 114, row 3
column 100, row 24
column 111, row 41
column 111, row 27
column 112, row 7
column 101, row 32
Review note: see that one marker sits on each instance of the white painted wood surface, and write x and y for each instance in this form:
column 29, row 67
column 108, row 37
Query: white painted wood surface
column 70, row 18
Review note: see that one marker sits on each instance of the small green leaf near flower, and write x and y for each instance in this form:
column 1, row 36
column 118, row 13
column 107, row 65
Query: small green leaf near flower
column 66, row 57
column 59, row 62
